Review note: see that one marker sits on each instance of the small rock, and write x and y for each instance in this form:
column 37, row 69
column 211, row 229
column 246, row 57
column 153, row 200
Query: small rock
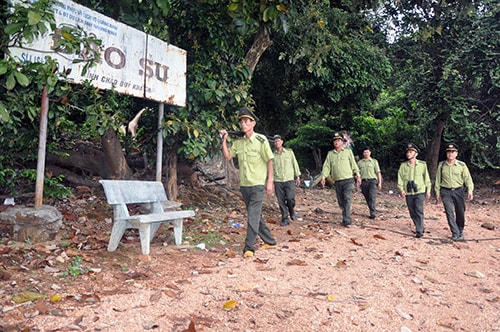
column 31, row 314
column 49, row 269
column 489, row 226
column 404, row 314
column 475, row 274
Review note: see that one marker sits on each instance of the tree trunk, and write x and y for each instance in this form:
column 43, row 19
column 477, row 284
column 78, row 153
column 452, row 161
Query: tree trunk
column 433, row 155
column 83, row 159
column 115, row 160
column 171, row 174
column 317, row 158
column 260, row 44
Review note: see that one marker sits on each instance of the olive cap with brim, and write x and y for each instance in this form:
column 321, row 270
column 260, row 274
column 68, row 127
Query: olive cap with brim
column 338, row 135
column 246, row 113
column 412, row 147
column 451, row 147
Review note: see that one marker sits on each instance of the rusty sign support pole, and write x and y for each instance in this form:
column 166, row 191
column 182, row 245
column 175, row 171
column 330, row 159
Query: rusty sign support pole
column 159, row 143
column 42, row 142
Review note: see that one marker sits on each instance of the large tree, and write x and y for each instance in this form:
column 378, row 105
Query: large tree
column 446, row 54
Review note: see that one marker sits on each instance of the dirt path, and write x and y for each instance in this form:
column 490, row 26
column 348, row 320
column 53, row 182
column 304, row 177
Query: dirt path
column 375, row 276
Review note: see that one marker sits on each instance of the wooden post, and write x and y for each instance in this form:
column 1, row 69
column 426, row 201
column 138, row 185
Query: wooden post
column 42, row 143
column 159, row 143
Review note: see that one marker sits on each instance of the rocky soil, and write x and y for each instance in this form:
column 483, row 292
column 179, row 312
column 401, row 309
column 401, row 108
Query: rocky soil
column 375, row 276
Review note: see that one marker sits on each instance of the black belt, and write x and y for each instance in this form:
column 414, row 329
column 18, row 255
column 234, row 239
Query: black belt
column 452, row 188
column 369, row 180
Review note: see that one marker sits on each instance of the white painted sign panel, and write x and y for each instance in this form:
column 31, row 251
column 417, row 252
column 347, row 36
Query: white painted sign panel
column 132, row 63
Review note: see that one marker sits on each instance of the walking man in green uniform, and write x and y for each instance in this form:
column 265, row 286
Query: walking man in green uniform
column 286, row 177
column 414, row 184
column 341, row 166
column 255, row 160
column 451, row 177
column 371, row 180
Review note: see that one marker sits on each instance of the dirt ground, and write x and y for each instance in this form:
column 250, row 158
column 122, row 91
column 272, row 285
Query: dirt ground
column 375, row 276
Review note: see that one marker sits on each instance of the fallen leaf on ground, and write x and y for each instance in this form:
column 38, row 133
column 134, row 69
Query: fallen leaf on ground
column 55, row 298
column 356, row 242
column 341, row 263
column 261, row 260
column 27, row 296
column 296, row 262
column 230, row 305
column 155, row 296
column 170, row 293
column 247, row 287
column 229, row 253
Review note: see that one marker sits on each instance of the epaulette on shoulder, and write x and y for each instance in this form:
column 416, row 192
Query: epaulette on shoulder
column 261, row 138
column 423, row 162
column 460, row 163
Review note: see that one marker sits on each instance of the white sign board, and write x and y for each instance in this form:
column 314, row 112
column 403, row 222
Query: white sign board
column 132, row 63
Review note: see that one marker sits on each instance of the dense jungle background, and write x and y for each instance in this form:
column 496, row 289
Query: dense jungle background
column 385, row 72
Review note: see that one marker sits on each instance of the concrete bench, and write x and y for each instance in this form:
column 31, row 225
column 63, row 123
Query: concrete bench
column 153, row 201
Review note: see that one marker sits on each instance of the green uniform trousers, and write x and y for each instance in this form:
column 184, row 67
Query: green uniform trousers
column 253, row 197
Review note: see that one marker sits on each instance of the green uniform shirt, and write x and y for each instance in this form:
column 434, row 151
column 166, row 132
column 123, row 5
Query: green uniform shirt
column 368, row 168
column 340, row 165
column 285, row 166
column 453, row 176
column 253, row 155
column 419, row 174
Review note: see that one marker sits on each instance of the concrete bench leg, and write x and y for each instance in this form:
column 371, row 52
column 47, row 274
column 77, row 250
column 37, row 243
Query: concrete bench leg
column 177, row 223
column 145, row 235
column 117, row 232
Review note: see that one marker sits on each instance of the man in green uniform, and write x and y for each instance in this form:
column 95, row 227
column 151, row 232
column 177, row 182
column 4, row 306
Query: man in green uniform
column 341, row 166
column 414, row 184
column 286, row 177
column 371, row 180
column 451, row 177
column 255, row 160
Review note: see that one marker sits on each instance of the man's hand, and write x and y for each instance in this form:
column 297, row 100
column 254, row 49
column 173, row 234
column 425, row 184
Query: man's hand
column 269, row 187
column 223, row 134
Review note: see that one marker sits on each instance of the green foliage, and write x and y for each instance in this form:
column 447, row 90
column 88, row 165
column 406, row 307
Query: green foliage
column 448, row 72
column 210, row 237
column 69, row 39
column 74, row 268
column 310, row 137
column 12, row 181
column 21, row 83
column 29, row 21
column 326, row 67
column 248, row 16
column 7, row 180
